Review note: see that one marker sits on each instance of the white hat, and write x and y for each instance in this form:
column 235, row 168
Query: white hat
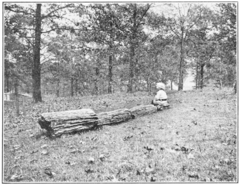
column 160, row 85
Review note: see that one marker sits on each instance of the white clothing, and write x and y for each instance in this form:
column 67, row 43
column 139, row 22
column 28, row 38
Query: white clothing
column 161, row 94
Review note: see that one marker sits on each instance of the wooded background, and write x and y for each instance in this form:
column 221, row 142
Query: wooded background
column 67, row 49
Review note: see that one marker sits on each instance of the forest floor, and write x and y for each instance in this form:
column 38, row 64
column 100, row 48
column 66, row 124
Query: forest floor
column 195, row 140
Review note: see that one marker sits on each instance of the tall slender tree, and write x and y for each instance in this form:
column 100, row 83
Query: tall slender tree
column 36, row 71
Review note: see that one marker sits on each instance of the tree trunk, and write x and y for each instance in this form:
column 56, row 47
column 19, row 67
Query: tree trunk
column 7, row 77
column 72, row 86
column 58, row 88
column 76, row 87
column 131, row 70
column 96, row 80
column 132, row 51
column 16, row 96
column 180, row 84
column 235, row 87
column 202, row 75
column 36, row 71
column 110, row 80
column 171, row 85
column 197, row 76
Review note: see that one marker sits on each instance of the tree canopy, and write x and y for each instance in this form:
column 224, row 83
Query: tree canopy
column 72, row 49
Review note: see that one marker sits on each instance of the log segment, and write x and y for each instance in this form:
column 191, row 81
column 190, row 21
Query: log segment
column 114, row 117
column 65, row 122
column 142, row 110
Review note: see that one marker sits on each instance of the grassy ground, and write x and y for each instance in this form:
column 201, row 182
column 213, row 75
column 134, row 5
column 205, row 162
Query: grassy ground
column 195, row 140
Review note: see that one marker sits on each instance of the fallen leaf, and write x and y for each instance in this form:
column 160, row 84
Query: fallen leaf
column 127, row 138
column 194, row 122
column 153, row 179
column 149, row 148
column 16, row 147
column 190, row 156
column 44, row 152
column 48, row 172
column 16, row 177
column 149, row 170
column 34, row 151
column 89, row 170
column 193, row 175
column 44, row 146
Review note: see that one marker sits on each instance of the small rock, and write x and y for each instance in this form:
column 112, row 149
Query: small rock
column 149, row 170
column 153, row 179
column 44, row 146
column 44, row 152
column 91, row 160
column 190, row 156
column 101, row 157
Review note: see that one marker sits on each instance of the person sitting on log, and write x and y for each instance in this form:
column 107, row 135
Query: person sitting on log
column 160, row 100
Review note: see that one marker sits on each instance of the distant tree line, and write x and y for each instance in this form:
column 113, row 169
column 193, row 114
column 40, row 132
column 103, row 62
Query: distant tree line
column 72, row 49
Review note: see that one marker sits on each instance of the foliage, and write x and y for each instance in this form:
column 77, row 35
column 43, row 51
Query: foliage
column 102, row 48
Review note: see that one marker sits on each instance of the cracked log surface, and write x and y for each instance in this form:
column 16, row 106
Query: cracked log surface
column 65, row 122
column 114, row 117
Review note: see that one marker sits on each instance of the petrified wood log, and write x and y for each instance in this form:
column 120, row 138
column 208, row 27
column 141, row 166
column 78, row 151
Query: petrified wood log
column 114, row 117
column 64, row 122
column 58, row 123
column 142, row 110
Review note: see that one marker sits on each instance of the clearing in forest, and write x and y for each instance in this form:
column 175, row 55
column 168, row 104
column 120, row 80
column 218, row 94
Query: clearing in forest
column 195, row 140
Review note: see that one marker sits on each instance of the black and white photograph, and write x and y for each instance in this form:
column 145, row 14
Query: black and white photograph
column 120, row 92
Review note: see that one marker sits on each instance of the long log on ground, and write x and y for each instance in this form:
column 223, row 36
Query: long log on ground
column 64, row 122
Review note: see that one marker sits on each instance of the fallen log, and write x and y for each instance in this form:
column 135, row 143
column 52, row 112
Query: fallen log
column 114, row 117
column 65, row 122
column 142, row 110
